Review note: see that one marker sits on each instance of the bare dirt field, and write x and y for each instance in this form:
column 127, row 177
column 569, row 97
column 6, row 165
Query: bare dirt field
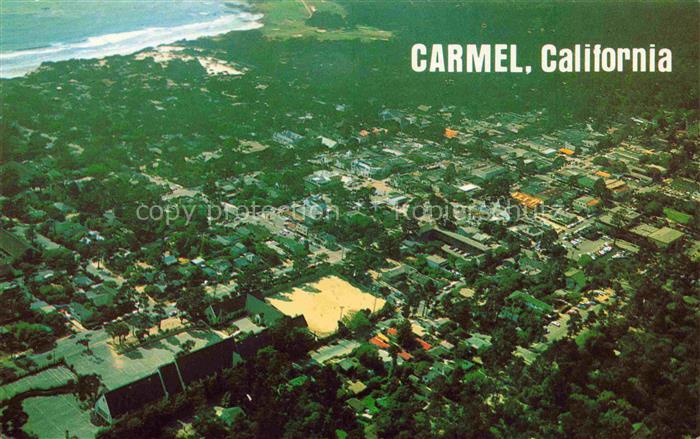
column 322, row 302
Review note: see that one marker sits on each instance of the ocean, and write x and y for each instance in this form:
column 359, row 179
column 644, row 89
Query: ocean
column 32, row 32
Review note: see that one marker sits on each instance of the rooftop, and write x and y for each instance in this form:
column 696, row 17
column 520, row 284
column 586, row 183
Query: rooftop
column 666, row 235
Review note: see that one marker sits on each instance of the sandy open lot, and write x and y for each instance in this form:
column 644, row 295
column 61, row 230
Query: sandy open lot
column 165, row 54
column 320, row 303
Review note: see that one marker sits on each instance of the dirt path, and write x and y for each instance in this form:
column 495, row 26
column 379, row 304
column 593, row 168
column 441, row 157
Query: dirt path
column 308, row 8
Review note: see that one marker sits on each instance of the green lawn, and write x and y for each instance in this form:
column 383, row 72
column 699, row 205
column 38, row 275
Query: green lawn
column 578, row 277
column 677, row 216
column 287, row 19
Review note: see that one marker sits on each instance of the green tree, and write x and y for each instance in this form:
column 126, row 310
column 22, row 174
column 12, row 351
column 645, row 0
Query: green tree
column 358, row 323
column 159, row 314
column 404, row 334
column 186, row 347
column 13, row 418
column 193, row 303
column 208, row 425
column 601, row 190
column 118, row 330
column 368, row 356
column 88, row 387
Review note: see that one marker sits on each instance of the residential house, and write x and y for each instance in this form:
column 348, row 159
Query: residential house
column 585, row 204
column 530, row 302
column 488, row 172
column 287, row 138
column 226, row 309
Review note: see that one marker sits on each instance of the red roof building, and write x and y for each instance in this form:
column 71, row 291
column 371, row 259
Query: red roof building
column 424, row 344
column 379, row 343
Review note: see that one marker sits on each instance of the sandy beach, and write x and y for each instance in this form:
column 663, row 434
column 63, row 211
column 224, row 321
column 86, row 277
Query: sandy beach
column 164, row 54
column 19, row 62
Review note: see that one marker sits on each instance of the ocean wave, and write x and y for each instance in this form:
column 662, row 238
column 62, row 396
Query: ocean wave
column 21, row 62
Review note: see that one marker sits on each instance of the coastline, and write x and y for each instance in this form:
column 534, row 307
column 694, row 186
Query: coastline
column 19, row 63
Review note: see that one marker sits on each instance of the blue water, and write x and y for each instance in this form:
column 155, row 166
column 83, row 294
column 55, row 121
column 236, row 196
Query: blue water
column 32, row 32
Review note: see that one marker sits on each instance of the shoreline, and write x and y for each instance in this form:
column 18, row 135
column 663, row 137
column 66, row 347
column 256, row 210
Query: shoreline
column 15, row 64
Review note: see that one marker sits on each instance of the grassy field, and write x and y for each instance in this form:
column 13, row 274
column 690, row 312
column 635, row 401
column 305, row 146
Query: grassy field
column 677, row 216
column 287, row 19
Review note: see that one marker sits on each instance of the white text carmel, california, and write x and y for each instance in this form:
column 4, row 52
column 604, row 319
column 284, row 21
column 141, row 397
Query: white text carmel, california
column 503, row 58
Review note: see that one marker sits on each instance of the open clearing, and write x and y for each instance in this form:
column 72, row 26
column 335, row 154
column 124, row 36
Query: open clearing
column 321, row 302
column 288, row 19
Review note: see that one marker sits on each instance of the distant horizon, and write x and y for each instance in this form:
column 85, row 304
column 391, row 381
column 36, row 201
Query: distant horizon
column 95, row 34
